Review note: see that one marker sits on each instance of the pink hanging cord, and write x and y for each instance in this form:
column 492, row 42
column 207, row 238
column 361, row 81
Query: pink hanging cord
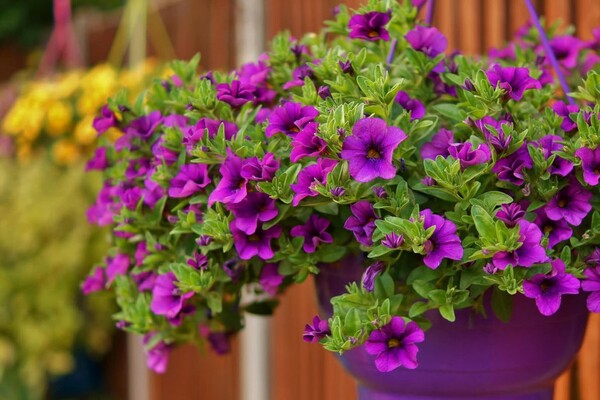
column 62, row 43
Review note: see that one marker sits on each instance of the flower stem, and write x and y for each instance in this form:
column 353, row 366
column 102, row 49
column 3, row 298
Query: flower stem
column 549, row 52
column 429, row 15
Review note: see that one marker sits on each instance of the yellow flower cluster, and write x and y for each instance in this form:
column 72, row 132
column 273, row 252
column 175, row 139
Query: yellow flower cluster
column 56, row 114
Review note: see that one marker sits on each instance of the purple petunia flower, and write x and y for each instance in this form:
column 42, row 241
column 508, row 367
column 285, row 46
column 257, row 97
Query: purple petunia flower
column 368, row 278
column 317, row 331
column 98, row 161
column 511, row 168
column 565, row 110
column 557, row 231
column 107, row 119
column 254, row 208
column 443, row 243
column 548, row 289
column 591, row 283
column 102, row 212
column 190, row 179
column 590, row 162
column 392, row 240
column 309, row 177
column 270, row 279
column 427, row 40
column 307, row 144
column 469, row 156
column 438, row 146
column 314, row 232
column 255, row 169
column 232, row 186
column 137, row 168
column 362, row 222
column 346, row 67
column 145, row 281
column 256, row 244
column 550, row 144
column 566, row 50
column 194, row 134
column 530, row 252
column 167, row 298
column 157, row 357
column 414, row 106
column 370, row 149
column 290, row 119
column 234, row 269
column 145, row 125
column 394, row 345
column 369, row 26
column 236, row 93
column 514, row 80
column 511, row 214
column 198, row 261
column 571, row 204
column 117, row 265
column 141, row 251
column 499, row 141
column 163, row 153
column 152, row 192
column 94, row 282
column 324, row 92
column 298, row 76
column 380, row 192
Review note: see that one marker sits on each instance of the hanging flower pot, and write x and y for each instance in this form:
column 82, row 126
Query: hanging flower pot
column 477, row 356
column 468, row 186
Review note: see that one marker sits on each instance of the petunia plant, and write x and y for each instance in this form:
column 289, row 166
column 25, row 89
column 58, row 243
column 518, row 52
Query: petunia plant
column 450, row 178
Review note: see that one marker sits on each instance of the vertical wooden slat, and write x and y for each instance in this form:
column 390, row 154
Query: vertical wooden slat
column 557, row 10
column 517, row 15
column 562, row 390
column 587, row 17
column 494, row 22
column 304, row 370
column 469, row 34
column 444, row 18
column 589, row 361
column 192, row 375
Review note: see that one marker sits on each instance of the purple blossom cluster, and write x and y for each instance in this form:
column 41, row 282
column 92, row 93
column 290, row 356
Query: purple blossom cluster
column 265, row 175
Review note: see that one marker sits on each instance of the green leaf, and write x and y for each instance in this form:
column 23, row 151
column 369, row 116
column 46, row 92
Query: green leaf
column 417, row 309
column 483, row 223
column 502, row 304
column 447, row 311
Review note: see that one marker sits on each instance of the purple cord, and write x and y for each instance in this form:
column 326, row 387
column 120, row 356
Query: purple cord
column 429, row 15
column 549, row 52
column 391, row 54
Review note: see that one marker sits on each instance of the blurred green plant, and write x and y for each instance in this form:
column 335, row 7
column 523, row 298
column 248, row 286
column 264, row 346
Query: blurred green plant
column 46, row 247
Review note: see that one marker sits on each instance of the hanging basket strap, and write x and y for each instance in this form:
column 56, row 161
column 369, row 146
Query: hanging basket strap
column 132, row 34
column 63, row 43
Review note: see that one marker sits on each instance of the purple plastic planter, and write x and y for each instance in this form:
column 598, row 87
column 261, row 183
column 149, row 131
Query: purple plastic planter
column 473, row 357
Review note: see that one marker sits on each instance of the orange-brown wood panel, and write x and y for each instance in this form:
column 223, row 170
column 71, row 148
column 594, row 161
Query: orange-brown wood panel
column 446, row 18
column 470, row 35
column 558, row 11
column 195, row 376
column 588, row 362
column 303, row 370
column 587, row 17
column 494, row 20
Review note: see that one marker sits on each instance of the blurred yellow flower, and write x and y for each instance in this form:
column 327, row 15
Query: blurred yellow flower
column 65, row 152
column 58, row 118
column 85, row 134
